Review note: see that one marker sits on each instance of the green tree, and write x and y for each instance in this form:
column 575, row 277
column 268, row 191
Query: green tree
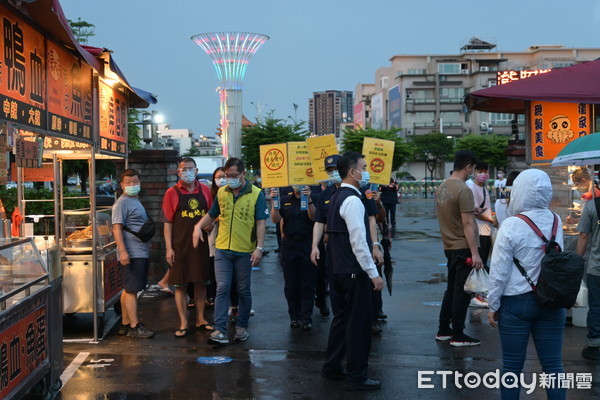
column 82, row 30
column 489, row 148
column 134, row 140
column 269, row 130
column 191, row 152
column 432, row 148
column 354, row 138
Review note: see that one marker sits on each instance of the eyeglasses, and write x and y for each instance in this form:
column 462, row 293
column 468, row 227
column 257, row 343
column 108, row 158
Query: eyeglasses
column 233, row 176
column 187, row 169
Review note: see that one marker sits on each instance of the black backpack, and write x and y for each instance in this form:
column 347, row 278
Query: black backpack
column 560, row 275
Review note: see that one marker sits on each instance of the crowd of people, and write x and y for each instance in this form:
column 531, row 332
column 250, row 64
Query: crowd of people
column 334, row 239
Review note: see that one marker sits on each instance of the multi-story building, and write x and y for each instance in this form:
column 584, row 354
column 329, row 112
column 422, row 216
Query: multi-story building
column 328, row 111
column 423, row 93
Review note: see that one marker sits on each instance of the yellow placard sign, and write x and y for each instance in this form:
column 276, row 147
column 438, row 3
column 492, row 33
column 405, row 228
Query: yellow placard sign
column 300, row 166
column 379, row 154
column 321, row 147
column 274, row 165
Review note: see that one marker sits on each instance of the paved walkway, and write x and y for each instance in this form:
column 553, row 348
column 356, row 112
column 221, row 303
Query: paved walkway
column 279, row 363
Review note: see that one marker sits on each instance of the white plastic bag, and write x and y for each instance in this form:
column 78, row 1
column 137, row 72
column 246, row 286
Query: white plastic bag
column 582, row 296
column 478, row 282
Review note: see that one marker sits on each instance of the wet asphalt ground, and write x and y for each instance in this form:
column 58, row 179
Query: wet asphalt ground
column 278, row 362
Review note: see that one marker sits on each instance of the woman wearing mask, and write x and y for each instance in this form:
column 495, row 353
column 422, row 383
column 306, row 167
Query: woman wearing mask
column 513, row 308
column 218, row 180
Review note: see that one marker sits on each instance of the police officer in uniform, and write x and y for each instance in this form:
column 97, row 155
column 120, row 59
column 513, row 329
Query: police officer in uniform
column 298, row 272
column 355, row 276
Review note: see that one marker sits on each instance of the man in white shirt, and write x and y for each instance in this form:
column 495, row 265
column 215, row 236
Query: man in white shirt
column 355, row 276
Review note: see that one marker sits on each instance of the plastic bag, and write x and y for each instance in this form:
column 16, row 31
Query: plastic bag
column 582, row 296
column 478, row 282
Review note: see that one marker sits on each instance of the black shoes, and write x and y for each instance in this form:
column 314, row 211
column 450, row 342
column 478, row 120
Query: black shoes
column 381, row 316
column 376, row 329
column 307, row 326
column 333, row 376
column 368, row 384
column 323, row 309
column 295, row 324
column 591, row 353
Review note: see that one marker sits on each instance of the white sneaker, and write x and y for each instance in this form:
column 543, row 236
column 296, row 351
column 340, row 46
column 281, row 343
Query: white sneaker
column 241, row 334
column 479, row 301
column 217, row 337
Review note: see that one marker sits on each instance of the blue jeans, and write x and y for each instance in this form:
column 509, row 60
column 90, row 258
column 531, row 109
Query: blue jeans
column 520, row 317
column 593, row 317
column 226, row 265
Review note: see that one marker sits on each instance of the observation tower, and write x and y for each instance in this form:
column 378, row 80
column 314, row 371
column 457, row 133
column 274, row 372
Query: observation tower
column 230, row 53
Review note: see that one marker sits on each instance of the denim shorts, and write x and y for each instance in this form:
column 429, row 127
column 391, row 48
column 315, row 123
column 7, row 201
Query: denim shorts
column 135, row 275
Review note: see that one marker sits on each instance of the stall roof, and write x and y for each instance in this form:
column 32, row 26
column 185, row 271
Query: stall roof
column 48, row 14
column 575, row 84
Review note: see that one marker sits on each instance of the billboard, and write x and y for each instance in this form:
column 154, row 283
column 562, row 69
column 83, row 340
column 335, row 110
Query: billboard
column 360, row 115
column 377, row 111
column 394, row 105
column 554, row 125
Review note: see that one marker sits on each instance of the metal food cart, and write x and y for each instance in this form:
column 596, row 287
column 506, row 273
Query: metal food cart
column 31, row 349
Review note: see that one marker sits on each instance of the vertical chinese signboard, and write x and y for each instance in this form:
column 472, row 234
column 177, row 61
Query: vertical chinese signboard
column 23, row 349
column 113, row 120
column 300, row 165
column 69, row 95
column 553, row 125
column 22, row 73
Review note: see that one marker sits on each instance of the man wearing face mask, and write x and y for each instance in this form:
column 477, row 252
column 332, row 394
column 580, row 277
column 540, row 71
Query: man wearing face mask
column 183, row 206
column 318, row 254
column 298, row 272
column 455, row 214
column 483, row 209
column 132, row 252
column 242, row 210
column 355, row 276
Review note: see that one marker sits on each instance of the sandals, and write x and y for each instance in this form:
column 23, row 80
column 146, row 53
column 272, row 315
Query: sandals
column 181, row 333
column 205, row 327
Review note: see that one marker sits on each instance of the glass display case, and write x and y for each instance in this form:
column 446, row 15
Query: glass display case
column 23, row 271
column 78, row 230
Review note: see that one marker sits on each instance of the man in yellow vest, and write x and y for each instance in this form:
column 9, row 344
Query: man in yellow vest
column 242, row 210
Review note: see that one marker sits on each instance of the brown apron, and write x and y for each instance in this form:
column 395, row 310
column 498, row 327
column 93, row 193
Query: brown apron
column 191, row 264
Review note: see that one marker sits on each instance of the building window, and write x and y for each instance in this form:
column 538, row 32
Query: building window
column 452, row 94
column 425, row 119
column 563, row 64
column 451, row 118
column 416, row 71
column 449, row 68
column 500, row 118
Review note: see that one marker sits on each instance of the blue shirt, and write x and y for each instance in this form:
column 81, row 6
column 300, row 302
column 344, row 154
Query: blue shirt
column 129, row 212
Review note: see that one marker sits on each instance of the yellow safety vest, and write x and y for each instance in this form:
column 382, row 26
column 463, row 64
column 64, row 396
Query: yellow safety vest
column 237, row 222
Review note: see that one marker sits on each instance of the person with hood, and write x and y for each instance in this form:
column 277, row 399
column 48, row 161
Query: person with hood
column 503, row 199
column 512, row 305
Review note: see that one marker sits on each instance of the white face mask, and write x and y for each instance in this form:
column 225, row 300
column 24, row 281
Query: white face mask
column 220, row 182
column 188, row 176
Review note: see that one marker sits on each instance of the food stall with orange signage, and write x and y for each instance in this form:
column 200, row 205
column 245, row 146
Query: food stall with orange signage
column 58, row 102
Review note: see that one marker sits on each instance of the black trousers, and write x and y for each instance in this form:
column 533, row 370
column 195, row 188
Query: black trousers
column 321, row 286
column 456, row 302
column 390, row 214
column 485, row 246
column 350, row 332
column 299, row 274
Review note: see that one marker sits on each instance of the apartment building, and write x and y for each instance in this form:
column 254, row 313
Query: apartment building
column 328, row 111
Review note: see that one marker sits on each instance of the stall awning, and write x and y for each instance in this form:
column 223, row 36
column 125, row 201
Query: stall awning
column 575, row 84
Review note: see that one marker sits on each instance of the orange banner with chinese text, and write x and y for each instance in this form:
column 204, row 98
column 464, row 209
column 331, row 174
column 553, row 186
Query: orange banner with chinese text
column 113, row 120
column 553, row 125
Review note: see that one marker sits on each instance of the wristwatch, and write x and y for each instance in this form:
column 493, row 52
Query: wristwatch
column 377, row 244
column 259, row 248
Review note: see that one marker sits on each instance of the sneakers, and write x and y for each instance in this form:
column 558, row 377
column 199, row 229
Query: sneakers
column 140, row 332
column 123, row 330
column 217, row 337
column 591, row 353
column 462, row 340
column 443, row 334
column 241, row 334
column 478, row 301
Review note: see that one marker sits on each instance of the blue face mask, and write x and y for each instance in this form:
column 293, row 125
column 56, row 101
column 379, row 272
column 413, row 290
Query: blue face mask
column 234, row 183
column 335, row 177
column 364, row 178
column 188, row 176
column 330, row 182
column 131, row 190
column 220, row 182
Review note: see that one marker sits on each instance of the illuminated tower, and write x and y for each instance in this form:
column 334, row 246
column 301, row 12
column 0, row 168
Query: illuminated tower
column 230, row 53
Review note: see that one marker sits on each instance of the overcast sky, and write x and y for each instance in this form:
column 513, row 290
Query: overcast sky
column 315, row 45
